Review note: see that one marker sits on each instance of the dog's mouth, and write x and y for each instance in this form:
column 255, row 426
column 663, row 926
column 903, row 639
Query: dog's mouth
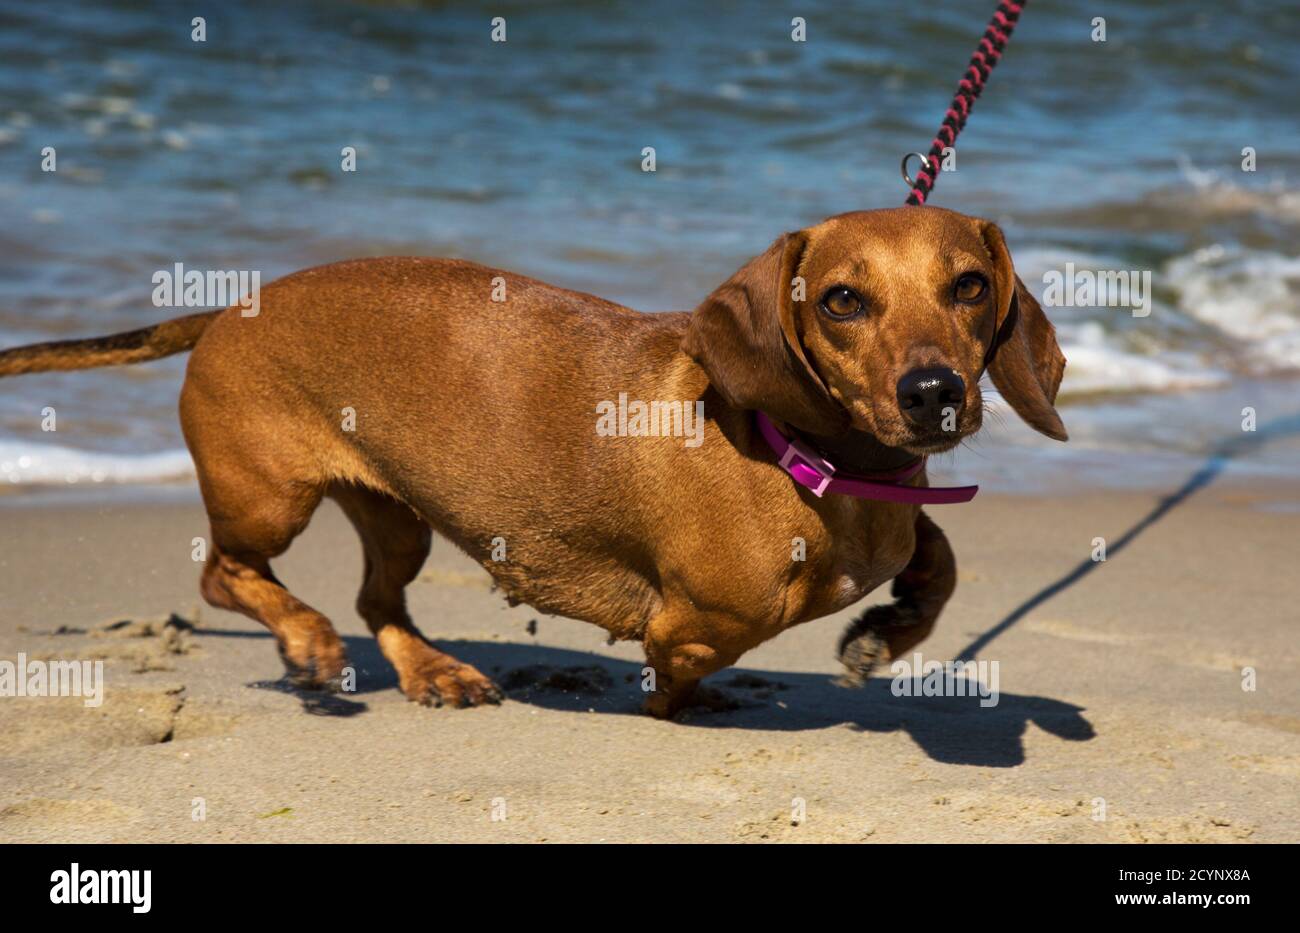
column 919, row 440
column 926, row 445
column 938, row 438
column 924, row 441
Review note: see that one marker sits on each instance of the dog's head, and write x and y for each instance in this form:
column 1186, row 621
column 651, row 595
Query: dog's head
column 881, row 321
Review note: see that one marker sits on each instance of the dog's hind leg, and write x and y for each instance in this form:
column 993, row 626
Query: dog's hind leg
column 396, row 542
column 886, row 633
column 251, row 524
column 261, row 484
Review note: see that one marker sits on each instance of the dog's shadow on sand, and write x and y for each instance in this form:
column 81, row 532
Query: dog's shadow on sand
column 952, row 730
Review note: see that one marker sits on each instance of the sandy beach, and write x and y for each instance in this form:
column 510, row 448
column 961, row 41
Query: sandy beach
column 1121, row 696
column 1141, row 185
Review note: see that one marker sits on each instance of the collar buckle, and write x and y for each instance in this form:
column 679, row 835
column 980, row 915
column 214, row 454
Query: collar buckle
column 809, row 462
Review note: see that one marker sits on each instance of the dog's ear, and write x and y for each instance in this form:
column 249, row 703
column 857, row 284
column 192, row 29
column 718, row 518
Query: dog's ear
column 746, row 337
column 1027, row 363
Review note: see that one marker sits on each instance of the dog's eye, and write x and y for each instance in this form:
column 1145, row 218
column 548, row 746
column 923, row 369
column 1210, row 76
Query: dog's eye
column 970, row 288
column 841, row 302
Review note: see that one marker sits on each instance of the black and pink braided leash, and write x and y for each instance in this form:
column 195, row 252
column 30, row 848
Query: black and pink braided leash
column 981, row 65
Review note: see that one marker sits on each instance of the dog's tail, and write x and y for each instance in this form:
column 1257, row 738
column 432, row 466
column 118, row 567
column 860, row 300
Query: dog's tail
column 133, row 346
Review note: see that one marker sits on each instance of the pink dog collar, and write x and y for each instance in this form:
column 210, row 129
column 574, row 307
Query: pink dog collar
column 815, row 473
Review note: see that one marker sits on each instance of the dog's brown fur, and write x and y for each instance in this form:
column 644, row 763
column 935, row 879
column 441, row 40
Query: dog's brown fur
column 476, row 419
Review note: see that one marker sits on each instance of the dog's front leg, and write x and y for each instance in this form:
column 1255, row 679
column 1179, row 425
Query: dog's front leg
column 684, row 645
column 884, row 633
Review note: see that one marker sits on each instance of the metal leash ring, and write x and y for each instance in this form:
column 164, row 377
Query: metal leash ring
column 925, row 160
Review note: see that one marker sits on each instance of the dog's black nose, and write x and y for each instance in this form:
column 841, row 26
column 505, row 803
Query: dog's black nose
column 925, row 395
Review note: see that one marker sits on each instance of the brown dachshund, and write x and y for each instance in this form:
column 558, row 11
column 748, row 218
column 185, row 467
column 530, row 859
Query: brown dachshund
column 511, row 417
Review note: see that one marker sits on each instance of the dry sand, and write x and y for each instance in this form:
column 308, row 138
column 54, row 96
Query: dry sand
column 1124, row 685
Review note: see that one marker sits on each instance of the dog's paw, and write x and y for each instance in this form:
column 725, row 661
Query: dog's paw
column 666, row 703
column 445, row 681
column 864, row 644
column 684, row 704
column 315, row 660
column 860, row 655
column 661, row 705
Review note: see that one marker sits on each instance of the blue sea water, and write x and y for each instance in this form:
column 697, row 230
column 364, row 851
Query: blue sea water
column 1123, row 154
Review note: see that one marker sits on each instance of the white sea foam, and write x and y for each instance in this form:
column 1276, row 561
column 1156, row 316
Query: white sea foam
column 1107, row 350
column 1250, row 295
column 45, row 464
column 1098, row 363
column 1225, row 310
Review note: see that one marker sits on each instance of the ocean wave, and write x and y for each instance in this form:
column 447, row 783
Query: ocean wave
column 23, row 463
column 1216, row 193
column 1252, row 296
column 1097, row 364
column 1106, row 354
column 1217, row 312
